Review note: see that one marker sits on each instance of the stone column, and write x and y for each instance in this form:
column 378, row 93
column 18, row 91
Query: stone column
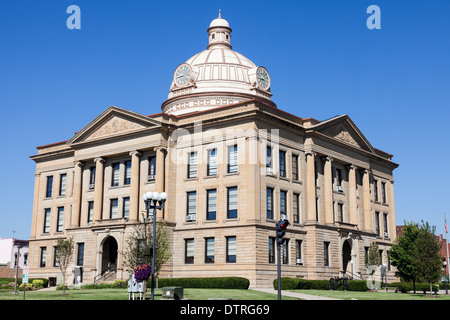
column 134, row 186
column 77, row 189
column 160, row 170
column 310, row 187
column 328, row 189
column 366, row 201
column 35, row 205
column 98, row 191
column 391, row 217
column 352, row 194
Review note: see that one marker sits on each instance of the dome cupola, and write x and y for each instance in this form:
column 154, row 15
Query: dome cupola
column 217, row 76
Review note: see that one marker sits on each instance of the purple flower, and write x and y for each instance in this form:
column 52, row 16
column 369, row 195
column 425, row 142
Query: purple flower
column 142, row 272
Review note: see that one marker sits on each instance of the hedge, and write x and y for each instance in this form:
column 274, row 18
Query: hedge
column 408, row 286
column 296, row 283
column 212, row 283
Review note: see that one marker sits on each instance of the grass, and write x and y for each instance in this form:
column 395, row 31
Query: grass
column 122, row 294
column 348, row 295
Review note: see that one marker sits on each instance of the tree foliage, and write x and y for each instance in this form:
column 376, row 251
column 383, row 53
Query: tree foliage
column 140, row 246
column 64, row 253
column 416, row 254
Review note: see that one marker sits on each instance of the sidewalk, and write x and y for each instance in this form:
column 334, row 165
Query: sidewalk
column 292, row 294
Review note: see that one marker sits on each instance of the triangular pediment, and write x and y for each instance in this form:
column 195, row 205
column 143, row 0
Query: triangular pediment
column 343, row 129
column 114, row 122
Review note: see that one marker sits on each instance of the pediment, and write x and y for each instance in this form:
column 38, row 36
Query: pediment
column 112, row 123
column 344, row 130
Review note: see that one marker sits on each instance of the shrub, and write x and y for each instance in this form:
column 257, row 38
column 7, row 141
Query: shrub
column 213, row 282
column 37, row 284
column 294, row 283
column 120, row 284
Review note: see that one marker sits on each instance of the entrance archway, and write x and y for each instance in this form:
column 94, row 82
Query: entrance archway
column 109, row 255
column 346, row 254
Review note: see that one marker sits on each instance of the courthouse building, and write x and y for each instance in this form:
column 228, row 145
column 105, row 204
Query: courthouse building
column 232, row 164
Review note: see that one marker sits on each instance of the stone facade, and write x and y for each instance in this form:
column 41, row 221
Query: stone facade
column 315, row 148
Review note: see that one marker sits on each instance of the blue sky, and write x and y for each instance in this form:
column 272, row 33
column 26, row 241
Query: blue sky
column 394, row 82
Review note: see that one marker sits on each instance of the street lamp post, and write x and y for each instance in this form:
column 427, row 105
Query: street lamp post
column 154, row 200
column 445, row 276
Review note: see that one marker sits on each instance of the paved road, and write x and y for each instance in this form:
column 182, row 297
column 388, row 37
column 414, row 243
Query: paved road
column 293, row 294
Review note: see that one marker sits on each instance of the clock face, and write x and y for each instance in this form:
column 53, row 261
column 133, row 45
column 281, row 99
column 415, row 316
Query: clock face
column 182, row 74
column 262, row 77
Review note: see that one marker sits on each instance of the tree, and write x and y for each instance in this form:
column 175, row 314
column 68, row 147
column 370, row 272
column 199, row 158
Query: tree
column 426, row 258
column 140, row 244
column 64, row 253
column 402, row 253
column 373, row 256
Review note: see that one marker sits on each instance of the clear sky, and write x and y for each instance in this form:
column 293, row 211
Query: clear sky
column 393, row 82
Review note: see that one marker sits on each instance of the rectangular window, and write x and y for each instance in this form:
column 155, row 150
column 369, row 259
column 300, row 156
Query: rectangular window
column 189, row 251
column 60, row 220
column 91, row 177
column 48, row 192
column 377, row 222
column 285, row 252
column 295, row 167
column 43, row 257
column 296, row 207
column 340, row 212
column 126, row 207
column 209, row 250
column 55, row 257
column 113, row 211
column 271, row 250
column 211, row 204
column 192, row 165
column 191, row 203
column 282, row 163
column 127, row 179
column 80, row 254
column 90, row 216
column 212, row 162
column 46, row 220
column 151, row 168
column 115, row 174
column 375, row 190
column 283, row 204
column 62, row 184
column 298, row 252
column 385, row 225
column 231, row 249
column 269, row 157
column 232, row 203
column 326, row 254
column 269, row 203
column 383, row 192
column 339, row 177
column 232, row 159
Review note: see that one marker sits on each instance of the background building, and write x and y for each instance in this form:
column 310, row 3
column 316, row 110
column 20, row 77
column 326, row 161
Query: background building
column 232, row 164
column 9, row 247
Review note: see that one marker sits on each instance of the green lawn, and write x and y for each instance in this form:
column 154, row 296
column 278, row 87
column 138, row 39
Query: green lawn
column 122, row 294
column 348, row 295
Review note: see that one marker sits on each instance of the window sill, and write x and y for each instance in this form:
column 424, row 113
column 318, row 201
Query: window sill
column 229, row 174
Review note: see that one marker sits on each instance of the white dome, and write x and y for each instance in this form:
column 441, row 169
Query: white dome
column 215, row 77
column 219, row 22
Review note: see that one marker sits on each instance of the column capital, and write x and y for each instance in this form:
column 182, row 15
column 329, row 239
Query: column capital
column 78, row 164
column 135, row 153
column 327, row 158
column 99, row 159
column 351, row 166
column 310, row 153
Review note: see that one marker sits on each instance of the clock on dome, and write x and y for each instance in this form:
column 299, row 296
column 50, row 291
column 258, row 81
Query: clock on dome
column 182, row 74
column 262, row 78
